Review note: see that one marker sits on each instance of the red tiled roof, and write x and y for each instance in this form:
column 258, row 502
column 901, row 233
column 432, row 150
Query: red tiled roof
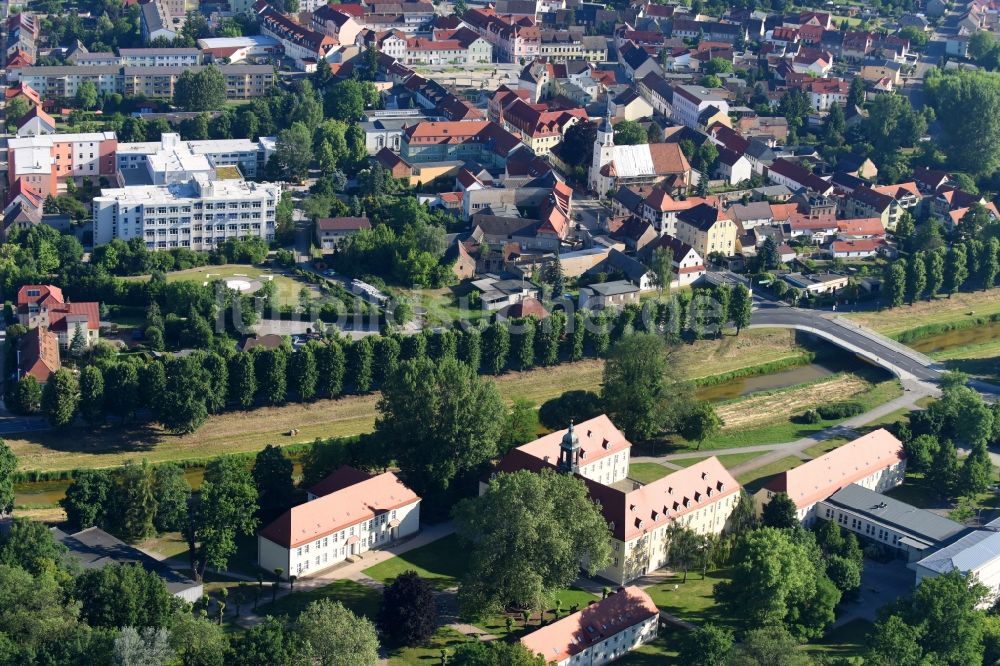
column 599, row 621
column 349, row 505
column 39, row 354
column 819, row 478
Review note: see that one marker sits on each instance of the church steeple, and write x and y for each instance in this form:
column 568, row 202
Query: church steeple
column 606, row 133
column 569, row 452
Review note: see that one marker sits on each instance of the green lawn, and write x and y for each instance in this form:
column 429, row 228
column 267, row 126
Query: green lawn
column 288, row 288
column 754, row 479
column 355, row 596
column 848, row 640
column 429, row 654
column 729, row 460
column 647, row 472
column 442, row 563
column 568, row 597
column 785, row 430
column 654, row 653
column 693, row 600
column 827, row 445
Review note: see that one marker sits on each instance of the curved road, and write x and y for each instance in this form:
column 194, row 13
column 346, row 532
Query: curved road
column 865, row 343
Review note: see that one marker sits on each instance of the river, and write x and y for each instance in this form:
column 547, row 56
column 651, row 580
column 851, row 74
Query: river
column 965, row 336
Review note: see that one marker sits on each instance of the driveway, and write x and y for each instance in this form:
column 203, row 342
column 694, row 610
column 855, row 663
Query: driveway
column 881, row 584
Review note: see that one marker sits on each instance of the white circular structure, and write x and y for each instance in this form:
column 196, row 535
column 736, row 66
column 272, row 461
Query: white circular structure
column 242, row 285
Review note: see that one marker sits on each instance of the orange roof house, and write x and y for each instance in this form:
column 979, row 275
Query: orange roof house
column 347, row 514
column 39, row 354
column 876, row 461
column 597, row 626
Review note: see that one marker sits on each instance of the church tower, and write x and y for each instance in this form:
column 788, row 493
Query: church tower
column 569, row 452
column 604, row 146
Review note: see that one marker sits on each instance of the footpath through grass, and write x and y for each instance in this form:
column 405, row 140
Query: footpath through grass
column 442, row 563
column 356, row 597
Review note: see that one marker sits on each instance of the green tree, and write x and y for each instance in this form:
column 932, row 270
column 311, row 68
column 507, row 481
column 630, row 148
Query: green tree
column 330, row 367
column 521, row 425
column 334, row 636
column 172, row 493
column 529, row 533
column 16, row 109
column 698, row 422
column 934, row 267
column 304, row 374
column 29, row 395
column 60, row 398
column 181, row 408
column 663, row 267
column 8, row 467
column 134, row 502
column 494, row 653
column 226, row 509
column 242, row 379
column 92, row 394
column 895, row 283
column 198, row 641
column 946, row 601
column 943, row 474
column 777, row 579
column 204, row 90
column 33, row 611
column 123, row 595
column 967, row 105
column 920, row 452
column 29, row 544
column 526, row 343
column 361, row 361
column 629, row 133
column 709, row 645
column 976, row 474
column 741, row 308
column 217, row 370
column 269, row 642
column 496, row 346
column 916, row 279
column 87, row 498
column 441, row 420
column 122, row 389
column 272, row 376
column 409, row 613
column 272, row 475
column 548, row 335
column 86, row 95
column 769, row 646
column 293, row 151
column 638, row 384
column 989, row 263
column 956, row 270
column 780, row 512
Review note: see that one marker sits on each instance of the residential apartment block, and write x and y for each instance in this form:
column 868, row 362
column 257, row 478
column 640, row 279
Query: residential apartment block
column 40, row 162
column 701, row 497
column 62, row 81
column 198, row 213
column 347, row 513
column 303, row 45
column 600, row 633
column 159, row 57
column 876, row 461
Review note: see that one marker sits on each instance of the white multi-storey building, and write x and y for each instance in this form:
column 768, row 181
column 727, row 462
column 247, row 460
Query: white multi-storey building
column 690, row 101
column 198, row 214
column 348, row 513
column 250, row 156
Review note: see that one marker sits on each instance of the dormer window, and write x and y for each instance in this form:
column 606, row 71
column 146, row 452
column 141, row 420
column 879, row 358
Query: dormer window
column 686, row 502
column 606, row 444
column 697, row 497
column 704, row 475
column 721, row 486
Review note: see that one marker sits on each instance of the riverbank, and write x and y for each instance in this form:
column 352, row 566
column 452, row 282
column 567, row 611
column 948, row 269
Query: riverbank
column 935, row 316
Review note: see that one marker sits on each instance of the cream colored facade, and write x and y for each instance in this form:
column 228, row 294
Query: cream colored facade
column 616, row 646
column 720, row 237
column 322, row 553
column 649, row 552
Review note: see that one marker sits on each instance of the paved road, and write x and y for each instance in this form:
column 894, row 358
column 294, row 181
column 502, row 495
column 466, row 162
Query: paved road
column 898, row 359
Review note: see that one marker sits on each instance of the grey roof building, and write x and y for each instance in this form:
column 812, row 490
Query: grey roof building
column 889, row 522
column 94, row 548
